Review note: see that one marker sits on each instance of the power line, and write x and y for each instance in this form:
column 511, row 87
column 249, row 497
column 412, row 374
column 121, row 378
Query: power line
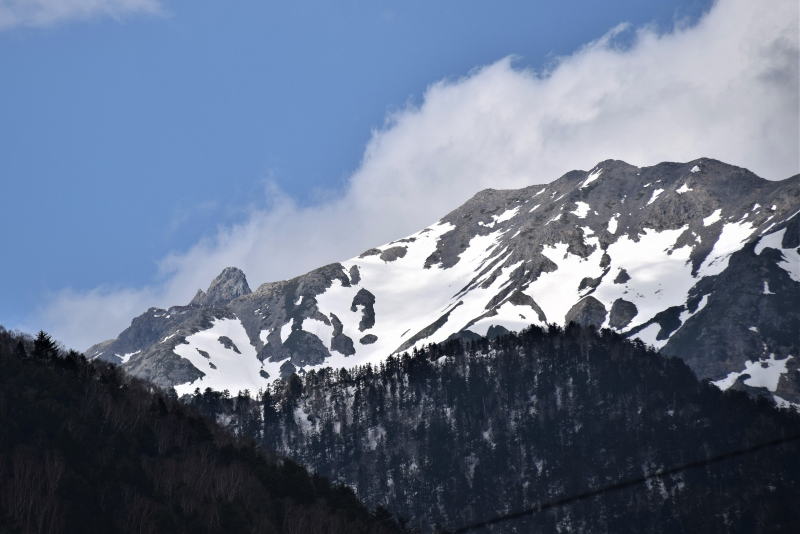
column 563, row 501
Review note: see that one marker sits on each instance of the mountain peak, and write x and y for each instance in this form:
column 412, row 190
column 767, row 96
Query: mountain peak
column 231, row 283
column 649, row 252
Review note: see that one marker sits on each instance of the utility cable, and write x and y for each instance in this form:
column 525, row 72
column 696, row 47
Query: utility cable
column 563, row 501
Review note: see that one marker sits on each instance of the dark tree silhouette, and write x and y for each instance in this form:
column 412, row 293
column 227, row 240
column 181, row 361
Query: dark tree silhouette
column 44, row 347
column 84, row 448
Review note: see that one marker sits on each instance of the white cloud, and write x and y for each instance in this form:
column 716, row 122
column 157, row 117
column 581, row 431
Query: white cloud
column 725, row 88
column 41, row 13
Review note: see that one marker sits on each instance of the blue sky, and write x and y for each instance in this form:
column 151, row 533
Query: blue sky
column 128, row 138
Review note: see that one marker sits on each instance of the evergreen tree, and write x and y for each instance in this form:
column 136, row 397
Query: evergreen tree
column 44, row 346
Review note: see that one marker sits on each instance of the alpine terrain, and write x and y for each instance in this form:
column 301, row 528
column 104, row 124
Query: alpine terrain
column 700, row 260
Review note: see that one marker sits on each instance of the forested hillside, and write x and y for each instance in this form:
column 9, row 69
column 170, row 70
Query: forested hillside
column 457, row 433
column 84, row 448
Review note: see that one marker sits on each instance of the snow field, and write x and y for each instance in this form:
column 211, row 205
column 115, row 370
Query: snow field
column 233, row 372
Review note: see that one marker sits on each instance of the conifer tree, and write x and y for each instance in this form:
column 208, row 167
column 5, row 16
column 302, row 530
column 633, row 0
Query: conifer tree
column 44, row 347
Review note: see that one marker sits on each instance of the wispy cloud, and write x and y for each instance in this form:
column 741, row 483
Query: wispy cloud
column 726, row 87
column 42, row 13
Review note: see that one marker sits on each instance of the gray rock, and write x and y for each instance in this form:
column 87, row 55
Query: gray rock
column 370, row 252
column 305, row 348
column 622, row 277
column 226, row 342
column 521, row 299
column 622, row 311
column 496, row 330
column 393, row 253
column 464, row 336
column 366, row 300
column 339, row 341
column 231, row 283
column 355, row 275
column 587, row 312
column 717, row 339
column 162, row 367
column 589, row 283
column 369, row 339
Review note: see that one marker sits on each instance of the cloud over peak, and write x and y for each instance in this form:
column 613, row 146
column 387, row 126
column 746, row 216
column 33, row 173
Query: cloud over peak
column 726, row 87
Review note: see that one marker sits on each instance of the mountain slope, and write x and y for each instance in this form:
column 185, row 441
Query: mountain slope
column 452, row 435
column 698, row 259
column 85, row 448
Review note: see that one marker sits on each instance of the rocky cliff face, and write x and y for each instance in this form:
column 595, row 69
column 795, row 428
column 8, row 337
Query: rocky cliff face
column 699, row 259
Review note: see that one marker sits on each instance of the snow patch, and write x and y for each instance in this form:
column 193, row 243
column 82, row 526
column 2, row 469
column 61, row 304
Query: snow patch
column 232, row 371
column 405, row 287
column 764, row 373
column 765, row 290
column 126, row 357
column 686, row 314
column 791, row 258
column 581, row 209
column 648, row 336
column 656, row 194
column 695, row 169
column 780, row 402
column 714, row 217
column 508, row 214
column 556, row 291
column 661, row 276
column 169, row 337
column 286, row 329
column 612, row 224
column 730, row 240
column 683, row 189
column 591, row 178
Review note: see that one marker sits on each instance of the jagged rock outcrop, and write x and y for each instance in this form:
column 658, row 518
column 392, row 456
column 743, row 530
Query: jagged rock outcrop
column 231, row 283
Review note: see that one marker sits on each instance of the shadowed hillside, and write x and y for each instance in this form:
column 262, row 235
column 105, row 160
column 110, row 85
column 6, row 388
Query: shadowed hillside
column 460, row 432
column 83, row 448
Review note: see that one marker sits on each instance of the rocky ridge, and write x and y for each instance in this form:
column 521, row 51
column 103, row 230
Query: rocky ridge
column 699, row 259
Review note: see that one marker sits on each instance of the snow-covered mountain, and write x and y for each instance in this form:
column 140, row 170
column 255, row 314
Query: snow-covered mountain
column 699, row 259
